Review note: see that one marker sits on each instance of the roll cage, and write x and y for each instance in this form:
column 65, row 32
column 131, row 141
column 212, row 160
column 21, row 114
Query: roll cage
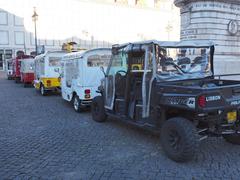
column 133, row 62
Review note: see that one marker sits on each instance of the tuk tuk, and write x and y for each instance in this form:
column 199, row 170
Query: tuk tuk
column 9, row 69
column 17, row 66
column 47, row 71
column 81, row 75
column 27, row 71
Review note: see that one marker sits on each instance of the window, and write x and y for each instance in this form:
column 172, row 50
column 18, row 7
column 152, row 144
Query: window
column 3, row 18
column 19, row 38
column 118, row 63
column 4, row 37
column 183, row 63
column 18, row 21
column 54, row 61
column 97, row 60
column 8, row 54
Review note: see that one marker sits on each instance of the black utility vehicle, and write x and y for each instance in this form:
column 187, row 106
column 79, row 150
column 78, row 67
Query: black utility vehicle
column 170, row 87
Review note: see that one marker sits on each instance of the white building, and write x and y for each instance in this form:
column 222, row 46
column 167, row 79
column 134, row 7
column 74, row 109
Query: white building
column 14, row 37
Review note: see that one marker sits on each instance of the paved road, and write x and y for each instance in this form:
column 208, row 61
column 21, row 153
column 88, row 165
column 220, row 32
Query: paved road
column 43, row 138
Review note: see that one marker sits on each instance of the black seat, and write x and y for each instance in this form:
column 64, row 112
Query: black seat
column 120, row 85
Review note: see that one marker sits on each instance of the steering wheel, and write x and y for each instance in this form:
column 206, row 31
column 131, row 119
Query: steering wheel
column 121, row 71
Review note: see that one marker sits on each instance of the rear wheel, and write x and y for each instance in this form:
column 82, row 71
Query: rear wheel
column 98, row 111
column 232, row 138
column 77, row 104
column 43, row 91
column 179, row 139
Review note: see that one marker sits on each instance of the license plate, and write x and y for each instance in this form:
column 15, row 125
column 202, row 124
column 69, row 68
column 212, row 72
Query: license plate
column 232, row 116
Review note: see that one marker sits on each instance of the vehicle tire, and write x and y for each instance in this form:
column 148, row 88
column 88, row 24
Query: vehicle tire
column 77, row 104
column 98, row 111
column 179, row 139
column 43, row 90
column 24, row 85
column 232, row 138
column 17, row 80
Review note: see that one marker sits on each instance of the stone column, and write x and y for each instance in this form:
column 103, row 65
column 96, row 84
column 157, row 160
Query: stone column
column 218, row 21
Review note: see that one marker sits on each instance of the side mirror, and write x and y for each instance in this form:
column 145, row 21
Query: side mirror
column 102, row 69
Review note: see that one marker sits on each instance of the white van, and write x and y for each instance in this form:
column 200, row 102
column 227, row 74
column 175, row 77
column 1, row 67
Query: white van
column 81, row 75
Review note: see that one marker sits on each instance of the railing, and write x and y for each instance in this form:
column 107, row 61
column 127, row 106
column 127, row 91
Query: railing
column 226, row 75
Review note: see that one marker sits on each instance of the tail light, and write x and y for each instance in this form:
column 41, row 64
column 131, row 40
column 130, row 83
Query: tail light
column 48, row 83
column 202, row 101
column 87, row 91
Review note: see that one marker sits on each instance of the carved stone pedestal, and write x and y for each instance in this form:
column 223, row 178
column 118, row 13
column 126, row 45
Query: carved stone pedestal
column 218, row 21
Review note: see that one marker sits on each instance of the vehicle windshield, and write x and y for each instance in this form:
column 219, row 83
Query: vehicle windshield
column 183, row 63
column 98, row 60
column 54, row 61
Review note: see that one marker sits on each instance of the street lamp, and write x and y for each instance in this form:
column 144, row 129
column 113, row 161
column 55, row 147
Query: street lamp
column 35, row 18
column 169, row 29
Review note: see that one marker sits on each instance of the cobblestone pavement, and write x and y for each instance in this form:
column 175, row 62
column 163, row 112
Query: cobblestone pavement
column 43, row 138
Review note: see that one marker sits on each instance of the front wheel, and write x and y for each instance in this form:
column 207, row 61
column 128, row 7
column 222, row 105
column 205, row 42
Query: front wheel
column 179, row 139
column 98, row 111
column 77, row 104
column 232, row 138
column 43, row 91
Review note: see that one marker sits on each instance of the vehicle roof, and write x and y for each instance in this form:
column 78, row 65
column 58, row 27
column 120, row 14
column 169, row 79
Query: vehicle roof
column 24, row 57
column 169, row 44
column 81, row 53
column 49, row 52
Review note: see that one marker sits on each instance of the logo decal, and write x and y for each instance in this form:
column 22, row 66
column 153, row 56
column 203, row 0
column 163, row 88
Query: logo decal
column 213, row 98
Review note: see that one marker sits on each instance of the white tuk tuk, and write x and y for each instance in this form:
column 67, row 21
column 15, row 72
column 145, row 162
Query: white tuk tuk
column 81, row 75
column 47, row 71
column 9, row 69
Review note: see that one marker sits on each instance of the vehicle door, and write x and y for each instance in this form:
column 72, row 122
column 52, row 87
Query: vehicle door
column 92, row 72
column 117, row 67
column 148, row 77
column 69, row 76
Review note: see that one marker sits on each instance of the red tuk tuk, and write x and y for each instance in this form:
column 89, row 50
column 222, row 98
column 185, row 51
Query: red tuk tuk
column 27, row 71
column 17, row 66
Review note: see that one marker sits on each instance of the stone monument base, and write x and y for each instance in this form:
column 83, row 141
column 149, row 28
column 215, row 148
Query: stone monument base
column 217, row 21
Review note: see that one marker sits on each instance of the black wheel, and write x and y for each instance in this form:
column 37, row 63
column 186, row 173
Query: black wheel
column 17, row 80
column 77, row 104
column 98, row 111
column 24, row 85
column 179, row 139
column 232, row 138
column 43, row 91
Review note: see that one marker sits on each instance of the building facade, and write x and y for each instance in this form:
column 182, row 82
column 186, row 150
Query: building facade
column 14, row 37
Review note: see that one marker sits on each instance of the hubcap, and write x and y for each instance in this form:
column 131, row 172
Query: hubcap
column 42, row 90
column 174, row 140
column 76, row 103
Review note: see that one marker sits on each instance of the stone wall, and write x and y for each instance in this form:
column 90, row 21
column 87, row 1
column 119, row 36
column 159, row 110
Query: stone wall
column 218, row 21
